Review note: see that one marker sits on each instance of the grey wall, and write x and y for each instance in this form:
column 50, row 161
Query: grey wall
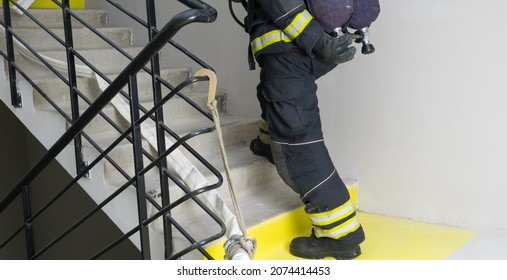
column 12, row 168
column 420, row 123
column 19, row 151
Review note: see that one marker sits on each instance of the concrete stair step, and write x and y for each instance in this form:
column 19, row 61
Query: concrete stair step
column 259, row 204
column 261, row 193
column 83, row 38
column 100, row 58
column 248, row 172
column 175, row 111
column 52, row 18
column 58, row 91
column 237, row 131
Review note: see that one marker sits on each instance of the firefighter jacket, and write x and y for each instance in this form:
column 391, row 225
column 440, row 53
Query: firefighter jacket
column 280, row 25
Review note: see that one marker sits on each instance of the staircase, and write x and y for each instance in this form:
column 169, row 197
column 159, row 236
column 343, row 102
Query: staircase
column 261, row 194
column 271, row 210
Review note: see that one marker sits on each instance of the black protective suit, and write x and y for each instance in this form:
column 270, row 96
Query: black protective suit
column 283, row 35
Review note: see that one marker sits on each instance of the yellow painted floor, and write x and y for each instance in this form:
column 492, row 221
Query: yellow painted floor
column 48, row 4
column 387, row 238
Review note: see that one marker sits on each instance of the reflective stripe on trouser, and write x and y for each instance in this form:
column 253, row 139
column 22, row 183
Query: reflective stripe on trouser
column 335, row 223
column 287, row 94
column 264, row 131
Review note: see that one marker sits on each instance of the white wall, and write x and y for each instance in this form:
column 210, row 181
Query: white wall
column 222, row 44
column 421, row 123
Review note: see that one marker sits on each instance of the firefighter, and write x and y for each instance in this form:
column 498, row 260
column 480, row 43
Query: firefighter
column 293, row 51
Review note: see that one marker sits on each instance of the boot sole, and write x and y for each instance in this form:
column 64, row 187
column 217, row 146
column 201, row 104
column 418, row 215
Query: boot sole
column 342, row 255
column 259, row 152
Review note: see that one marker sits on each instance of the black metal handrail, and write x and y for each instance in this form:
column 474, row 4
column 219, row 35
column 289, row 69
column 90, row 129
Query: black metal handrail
column 200, row 12
column 208, row 14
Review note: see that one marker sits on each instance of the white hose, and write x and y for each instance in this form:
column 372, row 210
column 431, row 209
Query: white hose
column 23, row 3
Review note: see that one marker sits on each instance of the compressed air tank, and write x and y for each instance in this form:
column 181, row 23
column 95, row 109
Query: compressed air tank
column 333, row 14
column 365, row 13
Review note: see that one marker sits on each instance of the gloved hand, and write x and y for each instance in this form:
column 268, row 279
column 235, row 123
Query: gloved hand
column 335, row 49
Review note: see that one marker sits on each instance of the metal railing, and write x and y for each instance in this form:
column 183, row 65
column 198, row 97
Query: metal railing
column 75, row 134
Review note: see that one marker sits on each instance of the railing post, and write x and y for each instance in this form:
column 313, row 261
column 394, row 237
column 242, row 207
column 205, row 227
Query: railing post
column 71, row 68
column 16, row 100
column 137, row 143
column 159, row 118
column 27, row 214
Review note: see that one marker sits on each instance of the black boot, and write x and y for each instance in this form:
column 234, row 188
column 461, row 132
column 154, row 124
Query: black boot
column 318, row 248
column 261, row 149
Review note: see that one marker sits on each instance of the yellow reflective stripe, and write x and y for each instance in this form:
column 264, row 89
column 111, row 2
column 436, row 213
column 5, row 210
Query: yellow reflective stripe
column 263, row 124
column 339, row 231
column 267, row 39
column 327, row 218
column 264, row 131
column 299, row 24
column 265, row 138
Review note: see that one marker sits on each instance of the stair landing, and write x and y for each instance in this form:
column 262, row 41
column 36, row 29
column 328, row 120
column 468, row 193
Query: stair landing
column 387, row 238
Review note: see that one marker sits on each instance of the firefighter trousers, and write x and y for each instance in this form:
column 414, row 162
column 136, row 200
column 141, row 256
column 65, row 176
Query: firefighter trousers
column 287, row 94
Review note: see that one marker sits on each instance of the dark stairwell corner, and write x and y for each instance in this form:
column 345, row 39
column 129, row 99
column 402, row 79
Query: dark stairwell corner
column 19, row 150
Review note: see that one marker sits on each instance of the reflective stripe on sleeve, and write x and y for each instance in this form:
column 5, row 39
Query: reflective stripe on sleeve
column 267, row 39
column 299, row 24
column 291, row 32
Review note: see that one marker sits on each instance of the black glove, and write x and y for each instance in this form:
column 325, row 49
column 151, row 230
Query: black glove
column 335, row 49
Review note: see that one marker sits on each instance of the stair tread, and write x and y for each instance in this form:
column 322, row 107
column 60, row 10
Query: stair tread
column 100, row 58
column 84, row 38
column 187, row 125
column 258, row 202
column 53, row 17
column 61, row 54
column 50, row 84
column 238, row 157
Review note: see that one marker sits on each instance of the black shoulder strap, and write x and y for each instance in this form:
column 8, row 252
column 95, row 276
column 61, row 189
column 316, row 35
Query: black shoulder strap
column 249, row 6
column 248, row 26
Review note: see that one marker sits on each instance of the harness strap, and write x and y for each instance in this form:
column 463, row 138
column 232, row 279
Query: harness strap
column 248, row 26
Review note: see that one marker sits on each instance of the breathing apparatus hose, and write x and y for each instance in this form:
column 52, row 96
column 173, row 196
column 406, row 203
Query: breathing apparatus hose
column 233, row 14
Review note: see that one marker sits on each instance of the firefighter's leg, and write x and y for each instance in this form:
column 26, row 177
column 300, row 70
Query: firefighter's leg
column 302, row 159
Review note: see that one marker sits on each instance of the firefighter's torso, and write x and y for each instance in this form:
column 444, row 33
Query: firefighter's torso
column 268, row 37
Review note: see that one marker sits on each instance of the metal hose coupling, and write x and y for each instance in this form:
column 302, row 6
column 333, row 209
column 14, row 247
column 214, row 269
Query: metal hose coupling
column 240, row 248
column 363, row 36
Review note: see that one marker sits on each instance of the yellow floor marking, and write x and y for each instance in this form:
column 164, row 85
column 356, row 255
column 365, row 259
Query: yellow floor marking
column 46, row 4
column 402, row 239
column 387, row 238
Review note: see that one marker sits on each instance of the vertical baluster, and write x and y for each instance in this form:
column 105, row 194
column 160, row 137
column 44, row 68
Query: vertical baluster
column 71, row 68
column 159, row 118
column 138, row 166
column 16, row 100
column 27, row 214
